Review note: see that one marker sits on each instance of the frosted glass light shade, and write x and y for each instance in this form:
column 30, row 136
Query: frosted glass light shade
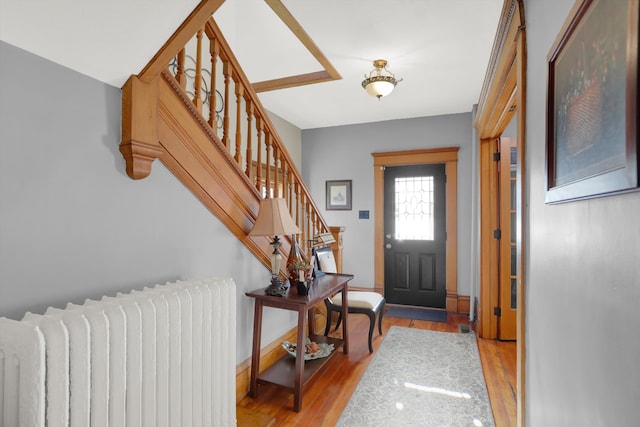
column 379, row 88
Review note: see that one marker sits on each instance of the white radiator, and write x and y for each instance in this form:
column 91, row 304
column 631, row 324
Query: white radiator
column 163, row 356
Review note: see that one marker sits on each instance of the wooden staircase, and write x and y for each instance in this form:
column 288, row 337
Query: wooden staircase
column 193, row 108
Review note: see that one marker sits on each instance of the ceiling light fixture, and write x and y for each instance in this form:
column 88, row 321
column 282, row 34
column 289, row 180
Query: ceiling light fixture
column 378, row 84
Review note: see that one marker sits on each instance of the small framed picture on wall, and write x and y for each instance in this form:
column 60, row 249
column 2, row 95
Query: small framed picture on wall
column 338, row 195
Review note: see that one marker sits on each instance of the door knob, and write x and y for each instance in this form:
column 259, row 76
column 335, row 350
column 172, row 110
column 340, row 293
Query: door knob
column 388, row 236
column 388, row 246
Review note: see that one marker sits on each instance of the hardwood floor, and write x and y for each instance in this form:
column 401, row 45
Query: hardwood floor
column 328, row 393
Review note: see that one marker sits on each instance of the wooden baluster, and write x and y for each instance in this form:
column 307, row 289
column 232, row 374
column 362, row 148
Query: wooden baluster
column 259, row 156
column 312, row 229
column 239, row 93
column 309, row 212
column 249, row 128
column 276, row 168
column 302, row 202
column 181, row 78
column 281, row 173
column 225, row 121
column 214, row 51
column 287, row 179
column 297, row 193
column 267, row 146
column 314, row 223
column 286, row 187
column 197, row 96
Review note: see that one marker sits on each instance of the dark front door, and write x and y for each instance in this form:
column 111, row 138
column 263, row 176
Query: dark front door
column 415, row 235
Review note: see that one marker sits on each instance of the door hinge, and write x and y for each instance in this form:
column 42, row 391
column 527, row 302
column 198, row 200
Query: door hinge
column 497, row 311
column 496, row 157
column 497, row 234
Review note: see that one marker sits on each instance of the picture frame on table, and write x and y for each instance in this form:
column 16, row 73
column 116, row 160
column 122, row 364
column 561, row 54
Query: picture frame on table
column 338, row 195
column 592, row 103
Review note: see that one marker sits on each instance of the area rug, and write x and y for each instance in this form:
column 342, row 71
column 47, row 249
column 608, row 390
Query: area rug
column 417, row 313
column 421, row 378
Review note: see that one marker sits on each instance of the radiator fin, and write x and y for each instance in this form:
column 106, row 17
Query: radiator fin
column 163, row 356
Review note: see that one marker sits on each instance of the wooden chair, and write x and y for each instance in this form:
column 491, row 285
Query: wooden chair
column 369, row 303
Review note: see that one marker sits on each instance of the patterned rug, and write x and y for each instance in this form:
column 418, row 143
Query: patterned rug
column 421, row 378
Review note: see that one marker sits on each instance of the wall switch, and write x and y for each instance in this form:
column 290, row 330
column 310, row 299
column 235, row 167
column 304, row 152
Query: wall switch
column 363, row 214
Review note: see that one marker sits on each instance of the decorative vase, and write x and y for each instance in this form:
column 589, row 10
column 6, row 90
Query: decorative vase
column 294, row 258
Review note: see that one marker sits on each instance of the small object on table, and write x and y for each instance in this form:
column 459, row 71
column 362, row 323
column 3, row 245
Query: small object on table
column 312, row 350
column 302, row 288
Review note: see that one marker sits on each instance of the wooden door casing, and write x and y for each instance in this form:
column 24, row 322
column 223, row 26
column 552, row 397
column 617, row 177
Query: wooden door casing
column 448, row 156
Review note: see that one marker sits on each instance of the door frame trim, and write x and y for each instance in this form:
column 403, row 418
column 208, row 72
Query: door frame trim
column 503, row 93
column 448, row 156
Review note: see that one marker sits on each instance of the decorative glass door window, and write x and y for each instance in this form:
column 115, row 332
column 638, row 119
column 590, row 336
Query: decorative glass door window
column 414, row 208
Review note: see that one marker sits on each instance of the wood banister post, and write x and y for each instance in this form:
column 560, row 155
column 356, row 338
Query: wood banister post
column 140, row 145
column 239, row 91
column 336, row 247
column 226, row 71
column 197, row 96
column 249, row 153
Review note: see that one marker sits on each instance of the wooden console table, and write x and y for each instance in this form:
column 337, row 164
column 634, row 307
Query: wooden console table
column 289, row 372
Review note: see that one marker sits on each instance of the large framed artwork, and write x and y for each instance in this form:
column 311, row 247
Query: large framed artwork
column 338, row 195
column 592, row 103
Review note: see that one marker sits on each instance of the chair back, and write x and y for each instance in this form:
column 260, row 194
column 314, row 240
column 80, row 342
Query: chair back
column 326, row 261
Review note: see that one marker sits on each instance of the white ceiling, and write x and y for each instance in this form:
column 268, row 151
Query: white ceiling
column 440, row 48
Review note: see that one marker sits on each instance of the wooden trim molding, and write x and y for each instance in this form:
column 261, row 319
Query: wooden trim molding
column 448, row 156
column 496, row 106
column 328, row 74
column 464, row 304
column 521, row 345
column 503, row 95
column 489, row 246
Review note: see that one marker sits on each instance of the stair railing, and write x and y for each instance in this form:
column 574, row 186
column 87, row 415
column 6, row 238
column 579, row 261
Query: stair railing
column 206, row 71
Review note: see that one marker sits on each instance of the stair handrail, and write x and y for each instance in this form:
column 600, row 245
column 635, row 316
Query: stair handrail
column 275, row 174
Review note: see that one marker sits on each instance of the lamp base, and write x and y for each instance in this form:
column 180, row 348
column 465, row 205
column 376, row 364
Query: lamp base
column 276, row 288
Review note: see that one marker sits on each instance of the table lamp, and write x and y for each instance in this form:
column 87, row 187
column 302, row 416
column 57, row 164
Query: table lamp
column 274, row 220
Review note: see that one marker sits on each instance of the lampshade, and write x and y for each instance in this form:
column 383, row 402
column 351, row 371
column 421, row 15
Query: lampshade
column 274, row 219
column 380, row 81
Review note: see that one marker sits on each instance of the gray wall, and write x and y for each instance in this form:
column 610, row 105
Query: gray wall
column 74, row 226
column 582, row 277
column 344, row 152
column 291, row 137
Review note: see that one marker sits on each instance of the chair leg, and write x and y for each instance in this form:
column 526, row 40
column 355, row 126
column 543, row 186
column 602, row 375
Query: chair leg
column 380, row 316
column 328, row 325
column 339, row 321
column 372, row 322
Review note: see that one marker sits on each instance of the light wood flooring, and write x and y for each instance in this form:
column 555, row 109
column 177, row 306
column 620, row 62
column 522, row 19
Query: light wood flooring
column 328, row 393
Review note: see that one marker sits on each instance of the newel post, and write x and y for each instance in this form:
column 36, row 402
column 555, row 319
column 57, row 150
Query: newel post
column 336, row 247
column 140, row 145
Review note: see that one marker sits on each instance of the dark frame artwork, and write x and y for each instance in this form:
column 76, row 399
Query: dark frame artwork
column 592, row 103
column 338, row 195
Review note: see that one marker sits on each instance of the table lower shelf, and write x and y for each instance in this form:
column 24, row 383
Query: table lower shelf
column 283, row 371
